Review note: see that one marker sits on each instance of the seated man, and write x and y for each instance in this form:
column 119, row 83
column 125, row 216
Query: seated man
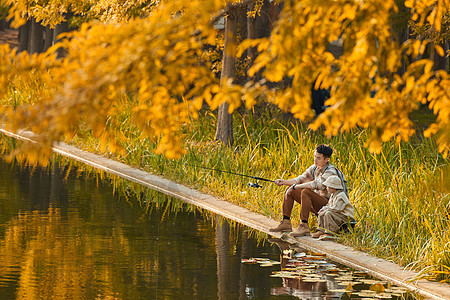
column 308, row 190
column 337, row 212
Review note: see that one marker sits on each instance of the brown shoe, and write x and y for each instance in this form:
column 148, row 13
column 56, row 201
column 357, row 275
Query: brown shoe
column 302, row 230
column 317, row 234
column 285, row 225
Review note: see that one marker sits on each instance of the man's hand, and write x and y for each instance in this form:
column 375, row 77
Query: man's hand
column 279, row 182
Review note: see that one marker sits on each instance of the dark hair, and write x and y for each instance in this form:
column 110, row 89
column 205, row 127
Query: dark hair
column 325, row 150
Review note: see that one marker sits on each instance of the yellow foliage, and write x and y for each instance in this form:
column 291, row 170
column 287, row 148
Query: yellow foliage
column 158, row 61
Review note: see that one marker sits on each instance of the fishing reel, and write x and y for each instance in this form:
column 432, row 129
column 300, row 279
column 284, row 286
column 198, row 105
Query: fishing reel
column 254, row 185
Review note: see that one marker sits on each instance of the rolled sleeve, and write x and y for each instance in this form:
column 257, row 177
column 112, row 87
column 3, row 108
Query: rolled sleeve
column 307, row 176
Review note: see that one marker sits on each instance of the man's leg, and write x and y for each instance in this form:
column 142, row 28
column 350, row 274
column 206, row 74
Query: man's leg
column 290, row 197
column 310, row 202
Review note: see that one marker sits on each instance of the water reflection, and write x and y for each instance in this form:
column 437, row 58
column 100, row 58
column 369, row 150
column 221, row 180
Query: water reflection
column 68, row 236
column 296, row 286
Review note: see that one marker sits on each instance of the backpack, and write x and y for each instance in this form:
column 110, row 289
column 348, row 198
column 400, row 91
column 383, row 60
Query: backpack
column 339, row 174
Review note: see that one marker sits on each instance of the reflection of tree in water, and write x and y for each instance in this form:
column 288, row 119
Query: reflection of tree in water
column 96, row 247
column 71, row 237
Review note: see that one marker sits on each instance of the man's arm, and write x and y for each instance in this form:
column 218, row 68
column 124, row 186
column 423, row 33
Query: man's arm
column 281, row 182
column 293, row 184
column 306, row 176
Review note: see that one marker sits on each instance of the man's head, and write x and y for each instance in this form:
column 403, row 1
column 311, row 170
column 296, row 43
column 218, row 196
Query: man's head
column 322, row 155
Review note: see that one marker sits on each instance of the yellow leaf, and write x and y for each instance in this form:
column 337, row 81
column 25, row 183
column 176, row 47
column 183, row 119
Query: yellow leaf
column 439, row 50
column 378, row 287
column 349, row 287
column 409, row 83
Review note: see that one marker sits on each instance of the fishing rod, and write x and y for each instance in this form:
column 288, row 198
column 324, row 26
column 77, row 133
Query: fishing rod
column 250, row 184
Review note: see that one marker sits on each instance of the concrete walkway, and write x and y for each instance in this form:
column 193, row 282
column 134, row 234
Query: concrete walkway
column 376, row 267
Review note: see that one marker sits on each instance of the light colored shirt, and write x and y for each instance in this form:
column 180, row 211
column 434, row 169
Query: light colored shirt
column 316, row 176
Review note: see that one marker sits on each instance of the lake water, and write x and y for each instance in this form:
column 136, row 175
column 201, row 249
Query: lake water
column 65, row 235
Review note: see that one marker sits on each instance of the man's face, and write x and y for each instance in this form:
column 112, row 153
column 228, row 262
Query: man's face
column 319, row 160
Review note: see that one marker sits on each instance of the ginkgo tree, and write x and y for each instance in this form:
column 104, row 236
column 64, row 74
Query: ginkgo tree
column 159, row 58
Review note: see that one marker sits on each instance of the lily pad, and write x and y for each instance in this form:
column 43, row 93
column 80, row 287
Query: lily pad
column 249, row 261
column 313, row 279
column 383, row 296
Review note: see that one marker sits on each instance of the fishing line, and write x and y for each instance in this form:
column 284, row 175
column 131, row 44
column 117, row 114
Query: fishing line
column 251, row 184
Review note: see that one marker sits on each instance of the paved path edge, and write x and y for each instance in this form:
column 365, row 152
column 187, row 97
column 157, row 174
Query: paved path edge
column 376, row 267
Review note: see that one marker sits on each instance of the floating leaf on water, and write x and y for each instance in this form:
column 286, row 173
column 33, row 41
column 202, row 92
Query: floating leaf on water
column 263, row 261
column 333, row 271
column 312, row 257
column 360, row 273
column 313, row 279
column 318, row 254
column 248, row 261
column 366, row 295
column 368, row 292
column 383, row 296
column 314, row 276
column 346, row 283
column 300, row 254
column 320, row 262
column 345, row 278
column 371, row 281
column 330, row 266
column 286, row 275
column 339, row 291
column 269, row 263
column 309, row 267
column 377, row 287
column 349, row 287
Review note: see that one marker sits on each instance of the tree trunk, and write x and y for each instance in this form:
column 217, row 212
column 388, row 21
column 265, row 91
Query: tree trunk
column 24, row 36
column 60, row 28
column 447, row 60
column 36, row 37
column 2, row 24
column 260, row 26
column 224, row 132
column 251, row 34
column 48, row 38
column 440, row 62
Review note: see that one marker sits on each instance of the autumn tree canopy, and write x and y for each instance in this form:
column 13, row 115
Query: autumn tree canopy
column 153, row 55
